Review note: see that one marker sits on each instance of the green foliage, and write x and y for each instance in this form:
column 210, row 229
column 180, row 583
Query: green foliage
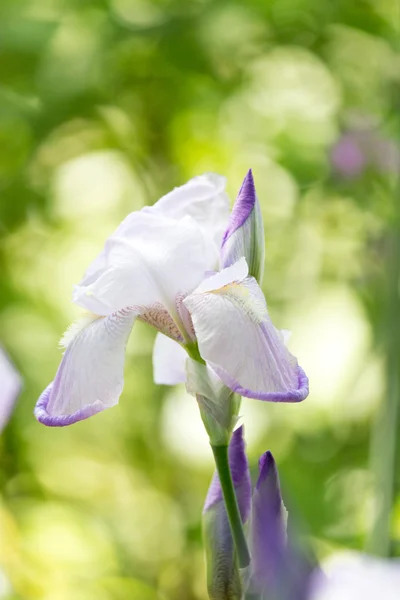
column 105, row 106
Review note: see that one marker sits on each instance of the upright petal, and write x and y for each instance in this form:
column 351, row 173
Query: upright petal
column 90, row 377
column 236, row 337
column 152, row 263
column 205, row 204
column 10, row 387
column 222, row 571
column 204, row 199
column 245, row 233
column 150, row 272
column 169, row 360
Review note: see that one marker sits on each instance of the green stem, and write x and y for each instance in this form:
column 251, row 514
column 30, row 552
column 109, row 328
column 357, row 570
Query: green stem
column 231, row 504
column 386, row 429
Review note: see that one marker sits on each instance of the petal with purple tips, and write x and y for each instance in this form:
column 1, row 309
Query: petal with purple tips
column 91, row 374
column 237, row 339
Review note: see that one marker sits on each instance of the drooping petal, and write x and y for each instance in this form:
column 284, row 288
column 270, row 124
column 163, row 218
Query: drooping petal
column 236, row 337
column 245, row 233
column 90, row 377
column 169, row 359
column 222, row 571
column 10, row 387
column 155, row 261
column 204, row 199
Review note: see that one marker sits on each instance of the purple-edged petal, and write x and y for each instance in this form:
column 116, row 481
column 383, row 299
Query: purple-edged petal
column 10, row 387
column 236, row 337
column 223, row 577
column 90, row 377
column 245, row 233
column 169, row 361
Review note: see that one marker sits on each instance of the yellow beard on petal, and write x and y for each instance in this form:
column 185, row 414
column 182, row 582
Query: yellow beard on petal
column 76, row 327
column 240, row 295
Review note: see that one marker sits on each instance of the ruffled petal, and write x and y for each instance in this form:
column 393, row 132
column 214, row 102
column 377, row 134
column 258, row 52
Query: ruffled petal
column 245, row 233
column 236, row 337
column 169, row 360
column 10, row 387
column 160, row 251
column 90, row 377
column 152, row 260
column 204, row 199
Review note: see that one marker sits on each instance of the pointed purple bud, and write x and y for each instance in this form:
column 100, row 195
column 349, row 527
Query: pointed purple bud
column 223, row 579
column 245, row 233
column 268, row 526
column 280, row 568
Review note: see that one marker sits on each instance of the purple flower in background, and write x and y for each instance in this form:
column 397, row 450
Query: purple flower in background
column 164, row 266
column 347, row 156
column 10, row 388
column 359, row 149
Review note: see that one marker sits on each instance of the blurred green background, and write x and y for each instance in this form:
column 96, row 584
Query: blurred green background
column 105, row 105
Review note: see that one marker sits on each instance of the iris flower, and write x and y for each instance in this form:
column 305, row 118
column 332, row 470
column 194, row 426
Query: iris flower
column 181, row 266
